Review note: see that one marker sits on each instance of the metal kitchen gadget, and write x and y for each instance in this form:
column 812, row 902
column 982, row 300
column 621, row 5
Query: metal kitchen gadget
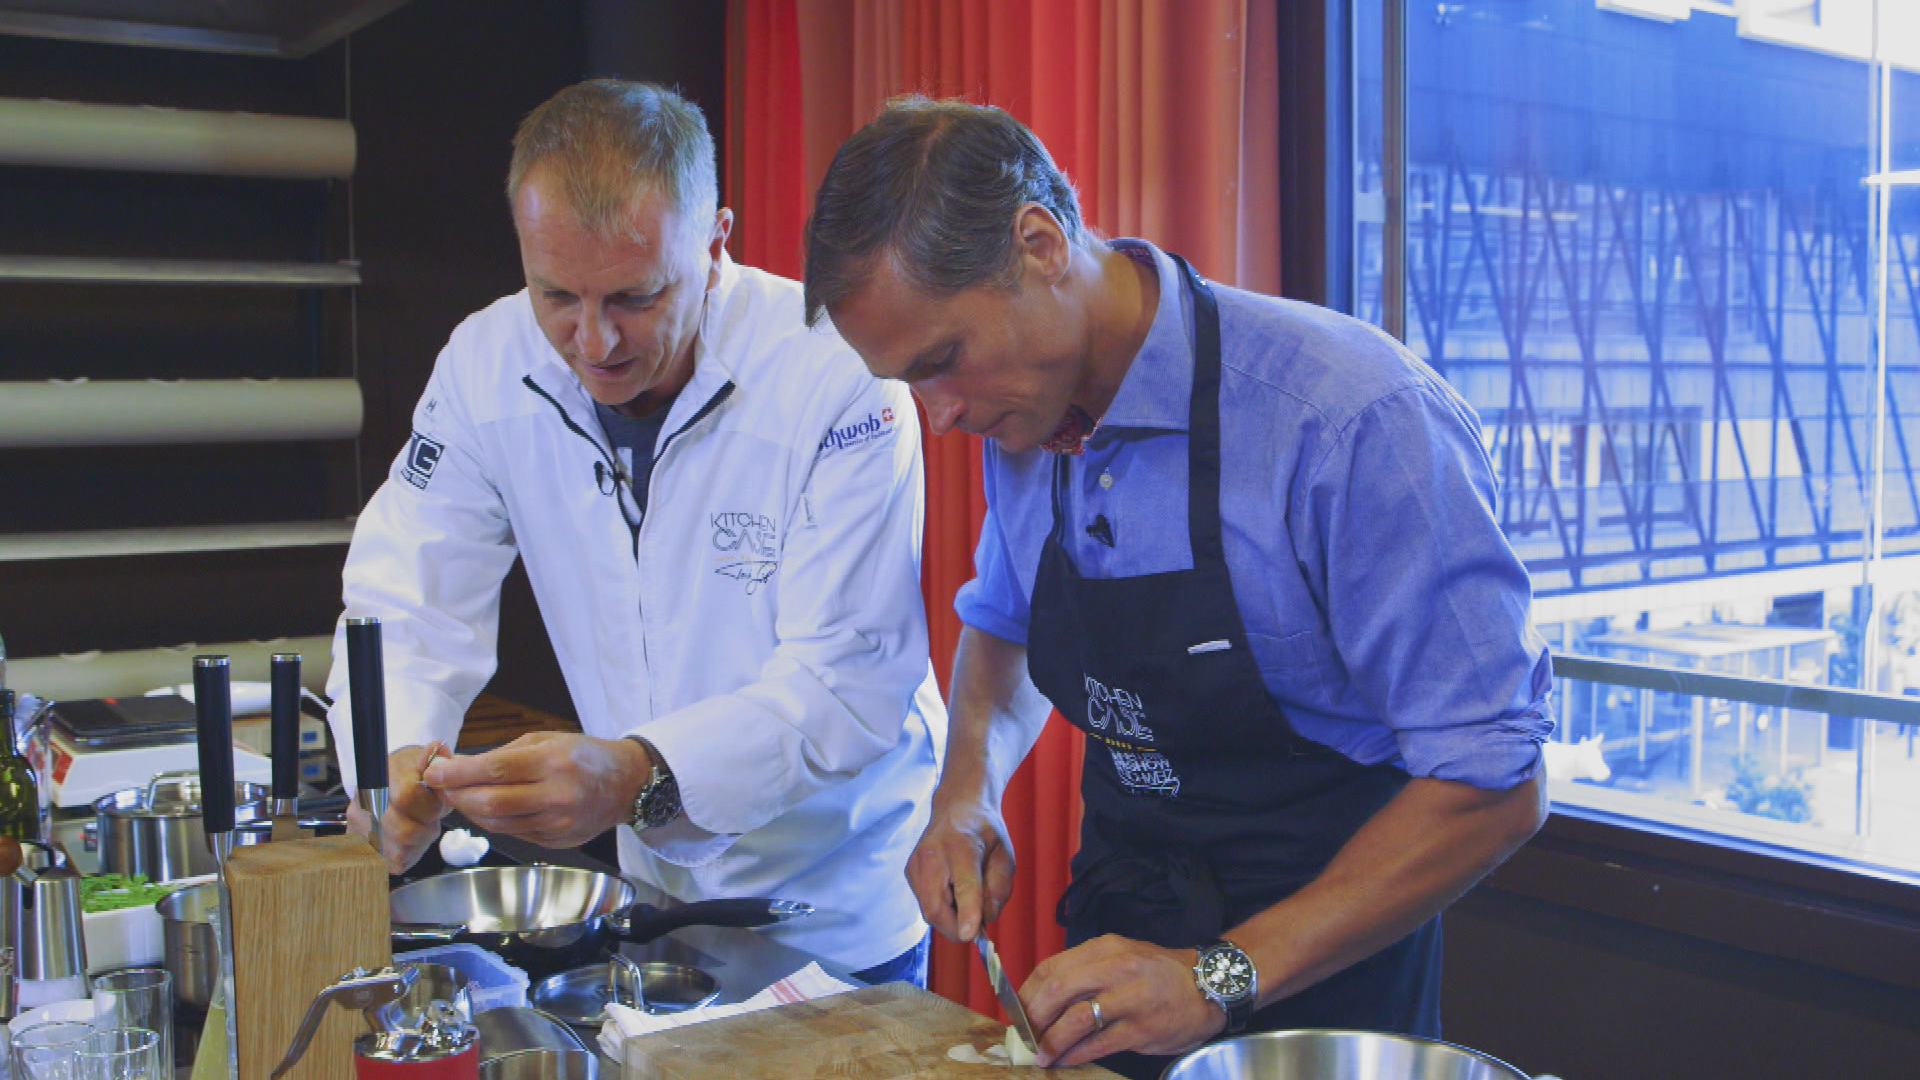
column 1003, row 989
column 359, row 989
column 432, row 983
column 52, row 945
column 443, row 1047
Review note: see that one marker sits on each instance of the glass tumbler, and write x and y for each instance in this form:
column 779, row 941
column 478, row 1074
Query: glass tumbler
column 120, row 1053
column 46, row 1051
column 137, row 998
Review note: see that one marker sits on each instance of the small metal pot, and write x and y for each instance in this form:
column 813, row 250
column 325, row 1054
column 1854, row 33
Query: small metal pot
column 527, row 1044
column 580, row 996
column 157, row 830
column 190, row 951
column 1337, row 1055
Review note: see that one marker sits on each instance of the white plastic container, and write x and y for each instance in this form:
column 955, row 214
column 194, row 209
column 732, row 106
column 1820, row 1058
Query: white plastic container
column 496, row 983
column 128, row 937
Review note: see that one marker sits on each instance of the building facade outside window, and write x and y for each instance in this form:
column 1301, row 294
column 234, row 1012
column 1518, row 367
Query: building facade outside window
column 1666, row 250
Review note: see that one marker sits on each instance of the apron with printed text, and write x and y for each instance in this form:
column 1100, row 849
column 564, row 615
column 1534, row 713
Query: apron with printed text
column 1203, row 805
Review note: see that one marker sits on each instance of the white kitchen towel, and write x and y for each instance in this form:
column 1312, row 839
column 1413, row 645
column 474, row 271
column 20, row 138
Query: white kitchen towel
column 624, row 1023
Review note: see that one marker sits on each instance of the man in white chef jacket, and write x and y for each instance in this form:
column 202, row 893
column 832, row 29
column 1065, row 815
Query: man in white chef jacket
column 720, row 511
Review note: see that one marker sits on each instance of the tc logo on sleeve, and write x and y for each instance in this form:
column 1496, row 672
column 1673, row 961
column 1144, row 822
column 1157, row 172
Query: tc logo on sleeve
column 422, row 455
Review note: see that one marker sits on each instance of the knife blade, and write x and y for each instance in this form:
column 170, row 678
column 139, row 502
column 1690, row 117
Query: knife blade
column 1003, row 990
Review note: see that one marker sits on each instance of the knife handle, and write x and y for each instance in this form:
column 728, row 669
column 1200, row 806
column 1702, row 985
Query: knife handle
column 213, row 708
column 286, row 725
column 367, row 684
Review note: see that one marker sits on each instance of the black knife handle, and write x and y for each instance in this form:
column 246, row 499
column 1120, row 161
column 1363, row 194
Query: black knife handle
column 367, row 685
column 213, row 704
column 286, row 725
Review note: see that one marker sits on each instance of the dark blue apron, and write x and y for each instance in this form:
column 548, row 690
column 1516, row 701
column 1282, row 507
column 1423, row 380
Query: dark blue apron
column 1203, row 805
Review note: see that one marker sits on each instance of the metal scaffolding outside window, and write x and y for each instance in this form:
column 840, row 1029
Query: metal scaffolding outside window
column 1637, row 237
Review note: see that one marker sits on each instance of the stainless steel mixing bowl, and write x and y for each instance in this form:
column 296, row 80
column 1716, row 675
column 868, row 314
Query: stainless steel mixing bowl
column 1312, row 1054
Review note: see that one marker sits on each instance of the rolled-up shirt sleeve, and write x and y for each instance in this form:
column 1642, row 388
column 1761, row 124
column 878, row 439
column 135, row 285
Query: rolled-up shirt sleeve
column 1426, row 600
column 994, row 600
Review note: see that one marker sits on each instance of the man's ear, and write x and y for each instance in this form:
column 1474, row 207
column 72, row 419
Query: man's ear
column 717, row 244
column 1045, row 250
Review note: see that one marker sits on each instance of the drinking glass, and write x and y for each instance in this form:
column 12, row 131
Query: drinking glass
column 46, row 1051
column 137, row 998
column 121, row 1053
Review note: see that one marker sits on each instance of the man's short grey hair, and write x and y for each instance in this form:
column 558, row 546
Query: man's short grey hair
column 604, row 140
column 937, row 184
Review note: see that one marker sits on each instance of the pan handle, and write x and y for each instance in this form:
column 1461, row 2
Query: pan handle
column 427, row 933
column 644, row 926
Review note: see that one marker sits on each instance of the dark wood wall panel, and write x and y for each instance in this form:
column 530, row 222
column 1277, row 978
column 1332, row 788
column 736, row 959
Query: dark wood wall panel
column 435, row 91
column 1588, row 997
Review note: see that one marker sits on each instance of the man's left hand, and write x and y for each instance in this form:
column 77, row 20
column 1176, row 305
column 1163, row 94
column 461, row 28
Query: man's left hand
column 554, row 789
column 1149, row 1002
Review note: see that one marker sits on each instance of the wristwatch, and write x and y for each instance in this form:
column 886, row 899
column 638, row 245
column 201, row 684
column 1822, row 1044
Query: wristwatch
column 659, row 798
column 1227, row 977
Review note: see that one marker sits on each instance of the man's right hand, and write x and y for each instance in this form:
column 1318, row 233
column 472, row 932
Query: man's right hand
column 412, row 820
column 962, row 869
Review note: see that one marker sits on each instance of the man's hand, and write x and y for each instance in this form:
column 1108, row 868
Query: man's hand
column 557, row 790
column 962, row 869
column 412, row 820
column 1149, row 1002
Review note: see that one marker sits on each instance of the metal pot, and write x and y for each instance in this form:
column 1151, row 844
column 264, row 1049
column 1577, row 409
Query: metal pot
column 545, row 919
column 1315, row 1054
column 191, row 953
column 527, row 1044
column 157, row 830
column 580, row 997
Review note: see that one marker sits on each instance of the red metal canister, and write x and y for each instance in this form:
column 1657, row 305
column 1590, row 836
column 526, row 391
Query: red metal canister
column 438, row 1051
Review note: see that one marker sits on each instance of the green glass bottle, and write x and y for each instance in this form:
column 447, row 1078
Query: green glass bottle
column 19, row 793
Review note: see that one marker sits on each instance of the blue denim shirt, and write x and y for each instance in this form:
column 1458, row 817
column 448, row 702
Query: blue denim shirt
column 1385, row 608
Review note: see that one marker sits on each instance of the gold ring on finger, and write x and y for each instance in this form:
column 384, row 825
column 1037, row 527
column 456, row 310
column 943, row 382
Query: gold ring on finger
column 1099, row 1022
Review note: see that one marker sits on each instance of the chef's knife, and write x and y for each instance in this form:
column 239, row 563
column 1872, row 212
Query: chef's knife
column 213, row 708
column 286, row 747
column 367, row 683
column 1003, row 990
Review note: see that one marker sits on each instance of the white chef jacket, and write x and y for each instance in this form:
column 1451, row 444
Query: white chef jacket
column 765, row 630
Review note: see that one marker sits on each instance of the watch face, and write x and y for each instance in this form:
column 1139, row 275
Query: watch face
column 1227, row 972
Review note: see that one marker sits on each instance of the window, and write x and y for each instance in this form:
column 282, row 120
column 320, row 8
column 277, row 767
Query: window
column 1640, row 238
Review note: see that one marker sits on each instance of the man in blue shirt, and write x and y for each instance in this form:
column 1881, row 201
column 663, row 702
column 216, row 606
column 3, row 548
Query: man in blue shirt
column 1249, row 547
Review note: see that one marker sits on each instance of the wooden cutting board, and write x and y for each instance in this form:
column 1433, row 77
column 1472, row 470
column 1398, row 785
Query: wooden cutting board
column 884, row 1032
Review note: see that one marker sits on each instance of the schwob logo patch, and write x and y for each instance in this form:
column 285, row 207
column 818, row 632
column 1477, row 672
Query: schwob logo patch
column 876, row 427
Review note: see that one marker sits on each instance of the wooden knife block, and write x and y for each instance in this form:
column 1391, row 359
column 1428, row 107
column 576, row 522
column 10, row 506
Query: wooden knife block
column 305, row 912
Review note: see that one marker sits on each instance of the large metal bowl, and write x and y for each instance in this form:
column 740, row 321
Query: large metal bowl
column 1313, row 1054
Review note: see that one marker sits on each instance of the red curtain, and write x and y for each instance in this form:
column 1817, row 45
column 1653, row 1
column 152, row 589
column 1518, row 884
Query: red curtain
column 1164, row 113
